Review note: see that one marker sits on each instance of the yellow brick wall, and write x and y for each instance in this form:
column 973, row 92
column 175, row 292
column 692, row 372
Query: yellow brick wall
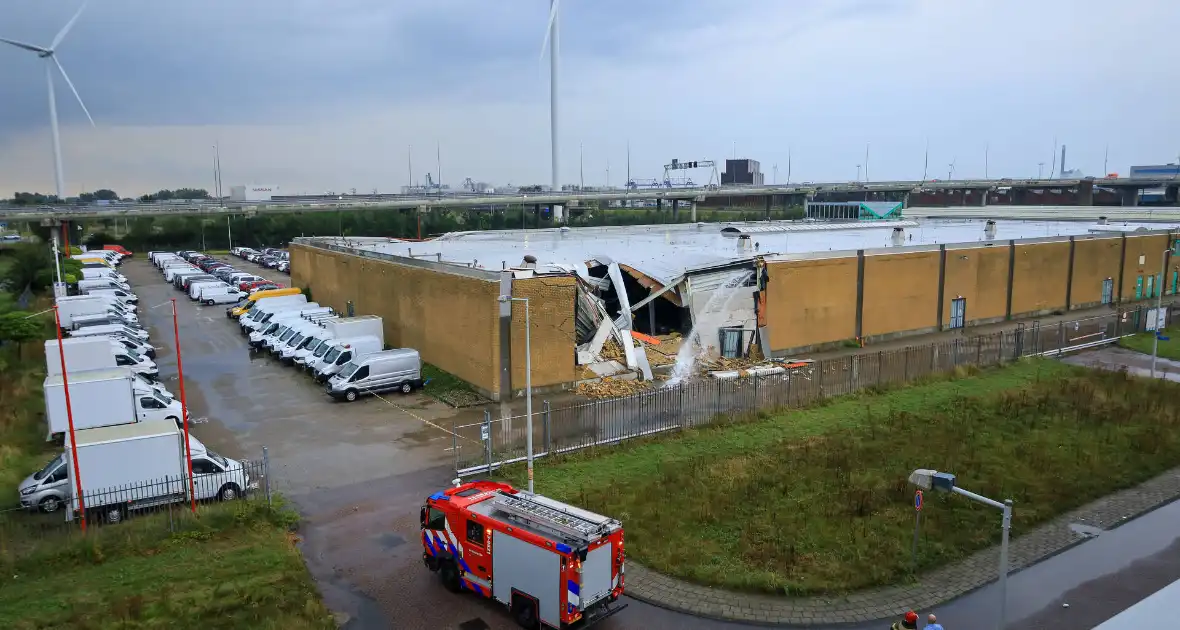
column 810, row 302
column 553, row 339
column 452, row 320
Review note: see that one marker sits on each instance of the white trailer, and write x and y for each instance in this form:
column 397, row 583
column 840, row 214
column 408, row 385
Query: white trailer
column 82, row 354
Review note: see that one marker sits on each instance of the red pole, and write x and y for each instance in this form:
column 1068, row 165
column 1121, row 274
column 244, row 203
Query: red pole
column 188, row 453
column 65, row 235
column 65, row 382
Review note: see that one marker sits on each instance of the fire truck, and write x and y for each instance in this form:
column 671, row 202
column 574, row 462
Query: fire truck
column 551, row 563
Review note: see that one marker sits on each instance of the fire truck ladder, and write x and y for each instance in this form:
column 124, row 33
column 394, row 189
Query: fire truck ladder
column 545, row 516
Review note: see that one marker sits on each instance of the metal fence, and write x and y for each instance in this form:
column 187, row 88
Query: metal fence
column 482, row 447
column 165, row 504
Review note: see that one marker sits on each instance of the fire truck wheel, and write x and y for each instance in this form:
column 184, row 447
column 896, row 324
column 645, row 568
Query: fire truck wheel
column 449, row 574
column 525, row 612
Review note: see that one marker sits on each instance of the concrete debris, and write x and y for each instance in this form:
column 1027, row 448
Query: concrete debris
column 611, row 388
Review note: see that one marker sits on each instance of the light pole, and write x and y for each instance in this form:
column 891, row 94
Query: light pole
column 945, row 482
column 1159, row 307
column 528, row 382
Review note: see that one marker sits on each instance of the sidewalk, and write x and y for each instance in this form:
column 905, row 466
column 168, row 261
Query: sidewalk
column 930, row 590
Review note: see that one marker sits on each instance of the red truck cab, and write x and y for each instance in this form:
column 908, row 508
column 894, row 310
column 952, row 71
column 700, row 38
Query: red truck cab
column 118, row 248
column 550, row 563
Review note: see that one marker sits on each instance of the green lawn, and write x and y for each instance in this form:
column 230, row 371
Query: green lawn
column 449, row 388
column 1169, row 349
column 237, row 567
column 816, row 500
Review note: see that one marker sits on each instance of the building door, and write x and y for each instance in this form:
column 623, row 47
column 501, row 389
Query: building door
column 1138, row 287
column 958, row 312
column 1175, row 280
column 1108, row 291
column 1150, row 287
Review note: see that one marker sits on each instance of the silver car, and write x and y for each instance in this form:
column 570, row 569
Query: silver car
column 47, row 489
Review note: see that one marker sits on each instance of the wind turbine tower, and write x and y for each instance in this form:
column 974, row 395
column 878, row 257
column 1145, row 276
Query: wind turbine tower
column 551, row 41
column 50, row 56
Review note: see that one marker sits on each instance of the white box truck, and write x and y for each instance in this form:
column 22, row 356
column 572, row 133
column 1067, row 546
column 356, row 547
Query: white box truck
column 82, row 354
column 102, row 398
column 359, row 326
column 143, row 465
column 71, row 306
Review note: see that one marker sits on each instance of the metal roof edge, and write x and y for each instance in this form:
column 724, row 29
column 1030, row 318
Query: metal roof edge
column 447, row 268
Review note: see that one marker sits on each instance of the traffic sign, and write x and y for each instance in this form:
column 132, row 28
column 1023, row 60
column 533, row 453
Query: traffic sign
column 918, row 501
column 484, row 433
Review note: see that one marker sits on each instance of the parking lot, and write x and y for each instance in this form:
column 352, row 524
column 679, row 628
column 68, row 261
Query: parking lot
column 357, row 472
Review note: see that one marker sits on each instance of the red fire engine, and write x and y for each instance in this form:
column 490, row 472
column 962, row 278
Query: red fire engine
column 551, row 563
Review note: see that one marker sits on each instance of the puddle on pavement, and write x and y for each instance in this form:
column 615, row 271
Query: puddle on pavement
column 390, row 540
column 1088, row 531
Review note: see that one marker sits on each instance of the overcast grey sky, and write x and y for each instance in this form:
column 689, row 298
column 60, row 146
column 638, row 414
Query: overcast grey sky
column 316, row 95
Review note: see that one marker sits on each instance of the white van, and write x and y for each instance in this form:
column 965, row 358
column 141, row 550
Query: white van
column 124, row 296
column 299, row 331
column 216, row 295
column 111, row 329
column 194, row 288
column 341, row 351
column 282, row 323
column 271, row 310
column 399, row 369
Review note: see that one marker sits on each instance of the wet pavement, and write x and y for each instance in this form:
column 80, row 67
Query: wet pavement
column 1116, row 358
column 358, row 473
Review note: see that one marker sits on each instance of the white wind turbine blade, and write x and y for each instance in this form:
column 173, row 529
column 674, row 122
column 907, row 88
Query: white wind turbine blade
column 36, row 49
column 72, row 88
column 549, row 27
column 66, row 29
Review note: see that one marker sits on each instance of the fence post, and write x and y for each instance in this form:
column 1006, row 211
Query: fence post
column 266, row 473
column 978, row 351
column 545, row 421
column 455, row 446
column 880, row 367
column 680, row 395
column 788, row 388
column 851, row 372
column 487, row 444
column 1060, row 337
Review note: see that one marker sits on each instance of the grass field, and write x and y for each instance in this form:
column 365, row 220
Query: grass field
column 816, row 500
column 235, row 567
column 1169, row 349
column 449, row 388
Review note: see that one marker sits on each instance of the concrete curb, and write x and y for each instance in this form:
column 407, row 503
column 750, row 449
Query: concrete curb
column 932, row 589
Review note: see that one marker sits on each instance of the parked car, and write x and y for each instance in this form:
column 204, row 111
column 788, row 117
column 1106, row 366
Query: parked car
column 269, row 286
column 247, row 285
column 284, row 266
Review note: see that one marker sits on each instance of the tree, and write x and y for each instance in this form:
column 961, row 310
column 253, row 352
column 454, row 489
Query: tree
column 106, row 194
column 30, row 266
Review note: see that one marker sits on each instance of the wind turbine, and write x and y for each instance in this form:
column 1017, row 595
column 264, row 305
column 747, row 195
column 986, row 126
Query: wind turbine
column 50, row 57
column 551, row 42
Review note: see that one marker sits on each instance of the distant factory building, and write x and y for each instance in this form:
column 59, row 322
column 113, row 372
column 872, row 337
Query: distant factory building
column 743, row 172
column 252, row 193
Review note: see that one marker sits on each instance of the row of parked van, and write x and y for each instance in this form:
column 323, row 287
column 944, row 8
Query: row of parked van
column 347, row 354
column 206, row 280
column 124, row 427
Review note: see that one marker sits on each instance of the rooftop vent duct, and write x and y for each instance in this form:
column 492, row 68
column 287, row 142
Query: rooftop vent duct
column 744, row 244
column 898, row 237
column 530, row 262
column 1103, row 221
column 989, row 229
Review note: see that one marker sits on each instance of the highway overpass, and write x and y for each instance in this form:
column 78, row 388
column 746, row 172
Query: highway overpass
column 977, row 190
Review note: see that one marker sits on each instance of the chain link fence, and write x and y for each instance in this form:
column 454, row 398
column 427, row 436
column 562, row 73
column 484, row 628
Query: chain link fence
column 480, row 448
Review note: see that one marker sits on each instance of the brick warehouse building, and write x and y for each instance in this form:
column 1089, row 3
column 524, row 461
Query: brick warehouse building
column 806, row 286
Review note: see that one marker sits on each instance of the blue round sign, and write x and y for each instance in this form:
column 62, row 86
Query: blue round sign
column 918, row 500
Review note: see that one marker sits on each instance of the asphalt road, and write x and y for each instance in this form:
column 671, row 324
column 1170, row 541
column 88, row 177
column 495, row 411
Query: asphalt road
column 358, row 473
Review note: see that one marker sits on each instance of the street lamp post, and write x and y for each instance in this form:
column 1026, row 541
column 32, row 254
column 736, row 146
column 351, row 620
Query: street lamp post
column 1159, row 307
column 528, row 382
column 933, row 480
